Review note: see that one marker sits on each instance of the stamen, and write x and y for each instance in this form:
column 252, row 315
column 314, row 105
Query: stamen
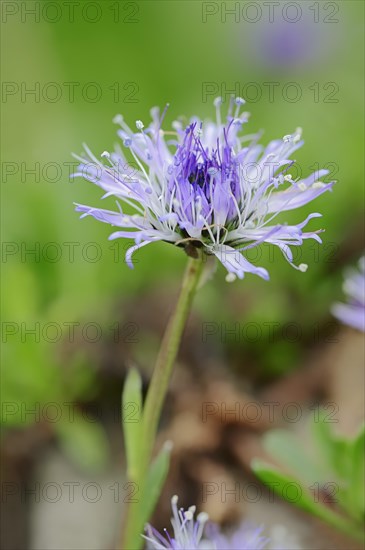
column 239, row 101
column 163, row 114
column 298, row 135
column 230, row 277
column 217, row 104
column 203, row 517
column 118, row 119
column 177, row 125
column 231, row 102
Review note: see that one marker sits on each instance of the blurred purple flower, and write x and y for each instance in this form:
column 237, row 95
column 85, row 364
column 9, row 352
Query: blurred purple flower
column 196, row 534
column 353, row 313
column 286, row 41
column 245, row 537
column 284, row 45
column 204, row 189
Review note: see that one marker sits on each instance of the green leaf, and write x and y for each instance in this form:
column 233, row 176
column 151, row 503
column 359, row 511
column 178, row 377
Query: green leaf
column 149, row 494
column 132, row 422
column 291, row 490
column 286, row 448
column 155, row 479
column 357, row 479
column 84, row 442
column 335, row 449
column 285, row 486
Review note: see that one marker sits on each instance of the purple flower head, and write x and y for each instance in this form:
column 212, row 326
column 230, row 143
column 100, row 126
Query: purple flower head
column 204, row 187
column 188, row 532
column 353, row 313
column 197, row 534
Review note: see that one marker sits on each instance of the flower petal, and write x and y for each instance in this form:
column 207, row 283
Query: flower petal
column 236, row 263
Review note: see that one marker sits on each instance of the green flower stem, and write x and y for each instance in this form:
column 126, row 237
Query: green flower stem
column 167, row 355
column 156, row 395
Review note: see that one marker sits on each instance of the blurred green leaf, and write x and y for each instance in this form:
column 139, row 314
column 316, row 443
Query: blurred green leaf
column 285, row 447
column 79, row 378
column 85, row 443
column 281, row 483
column 132, row 421
column 357, row 479
column 343, row 465
column 336, row 450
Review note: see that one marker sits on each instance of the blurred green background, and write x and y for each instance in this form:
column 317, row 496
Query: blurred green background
column 125, row 57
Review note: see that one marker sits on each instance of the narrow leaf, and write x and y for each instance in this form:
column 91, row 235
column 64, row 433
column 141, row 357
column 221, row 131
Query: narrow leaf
column 155, row 479
column 299, row 496
column 132, row 422
column 285, row 486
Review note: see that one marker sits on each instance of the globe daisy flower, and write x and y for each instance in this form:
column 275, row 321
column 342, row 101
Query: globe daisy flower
column 197, row 534
column 353, row 313
column 188, row 531
column 204, row 188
